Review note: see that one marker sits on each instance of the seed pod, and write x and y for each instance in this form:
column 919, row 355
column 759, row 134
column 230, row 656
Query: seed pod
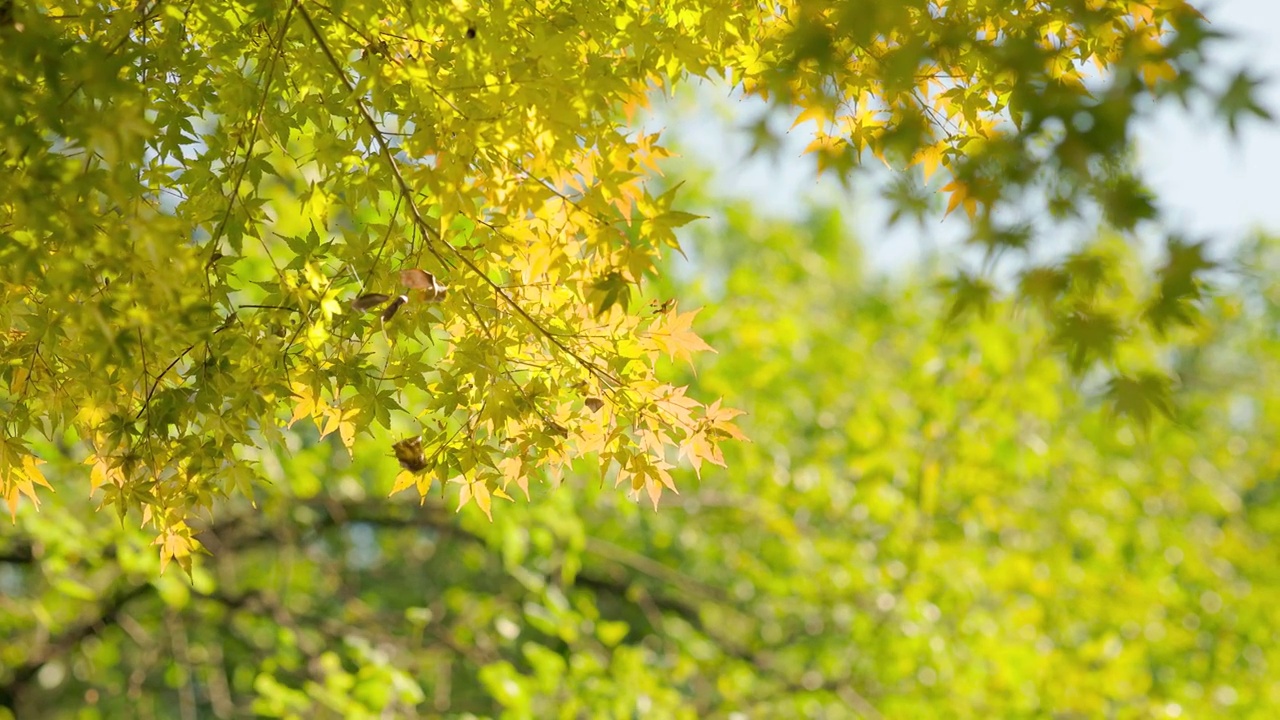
column 390, row 312
column 368, row 302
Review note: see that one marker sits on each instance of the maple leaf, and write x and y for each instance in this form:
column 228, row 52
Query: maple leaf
column 673, row 334
column 960, row 195
column 176, row 543
column 1141, row 396
column 817, row 113
column 483, row 500
column 405, row 479
column 719, row 421
column 342, row 420
column 697, row 448
column 305, row 406
column 1240, row 99
column 929, row 159
column 513, row 469
column 20, row 478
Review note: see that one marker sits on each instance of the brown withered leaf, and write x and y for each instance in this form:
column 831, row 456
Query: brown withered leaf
column 409, row 454
column 417, row 279
column 390, row 312
column 662, row 307
column 593, row 403
column 435, row 294
column 369, row 301
column 432, row 289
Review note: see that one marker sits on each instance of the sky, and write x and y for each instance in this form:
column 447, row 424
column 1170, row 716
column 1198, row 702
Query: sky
column 1209, row 182
column 1210, row 185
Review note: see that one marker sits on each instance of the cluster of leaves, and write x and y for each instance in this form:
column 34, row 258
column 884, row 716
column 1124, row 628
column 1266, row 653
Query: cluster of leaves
column 933, row 521
column 191, row 195
column 1025, row 109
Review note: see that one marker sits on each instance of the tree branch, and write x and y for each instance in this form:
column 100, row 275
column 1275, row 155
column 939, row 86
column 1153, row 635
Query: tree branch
column 107, row 615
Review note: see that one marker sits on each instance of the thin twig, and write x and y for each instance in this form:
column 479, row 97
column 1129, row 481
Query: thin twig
column 253, row 139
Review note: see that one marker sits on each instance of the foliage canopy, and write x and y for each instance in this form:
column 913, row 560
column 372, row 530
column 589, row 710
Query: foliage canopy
column 193, row 197
column 930, row 522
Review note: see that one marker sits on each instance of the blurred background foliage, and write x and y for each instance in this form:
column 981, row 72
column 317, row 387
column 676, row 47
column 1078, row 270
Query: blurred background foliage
column 935, row 517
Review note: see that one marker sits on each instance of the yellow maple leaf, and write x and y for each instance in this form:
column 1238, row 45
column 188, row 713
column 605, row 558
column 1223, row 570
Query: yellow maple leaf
column 306, row 404
column 342, row 420
column 403, row 481
column 654, row 488
column 929, row 159
column 699, row 447
column 815, row 113
column 720, row 421
column 1142, row 12
column 177, row 544
column 31, row 469
column 832, row 153
column 100, row 474
column 91, row 413
column 480, row 491
column 660, row 469
column 19, row 382
column 1153, row 73
column 960, row 196
column 674, row 335
column 513, row 469
column 424, row 484
column 464, row 496
column 21, row 480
